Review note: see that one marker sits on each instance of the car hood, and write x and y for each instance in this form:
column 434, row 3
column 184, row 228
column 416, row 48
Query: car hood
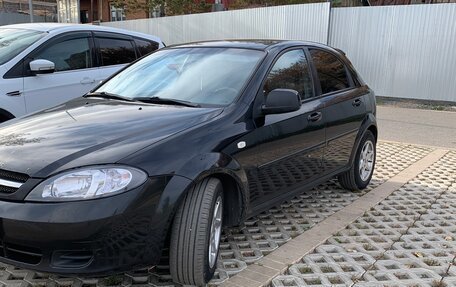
column 90, row 131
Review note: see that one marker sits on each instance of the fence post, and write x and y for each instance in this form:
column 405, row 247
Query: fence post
column 31, row 10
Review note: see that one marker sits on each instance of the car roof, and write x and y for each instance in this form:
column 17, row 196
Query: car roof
column 63, row 27
column 259, row 44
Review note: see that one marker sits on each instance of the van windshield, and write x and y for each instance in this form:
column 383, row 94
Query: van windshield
column 14, row 41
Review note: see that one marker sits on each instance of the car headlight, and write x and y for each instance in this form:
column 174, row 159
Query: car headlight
column 88, row 183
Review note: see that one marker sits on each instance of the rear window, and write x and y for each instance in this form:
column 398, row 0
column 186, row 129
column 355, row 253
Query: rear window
column 14, row 41
column 331, row 72
column 145, row 47
column 116, row 51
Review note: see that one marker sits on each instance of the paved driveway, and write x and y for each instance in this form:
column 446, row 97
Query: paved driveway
column 427, row 127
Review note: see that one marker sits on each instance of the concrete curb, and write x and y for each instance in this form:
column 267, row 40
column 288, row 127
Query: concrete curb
column 276, row 263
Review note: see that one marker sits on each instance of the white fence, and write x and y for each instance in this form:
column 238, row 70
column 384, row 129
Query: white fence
column 400, row 51
column 281, row 22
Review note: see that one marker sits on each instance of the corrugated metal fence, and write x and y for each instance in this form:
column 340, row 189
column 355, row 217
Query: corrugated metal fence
column 295, row 22
column 401, row 51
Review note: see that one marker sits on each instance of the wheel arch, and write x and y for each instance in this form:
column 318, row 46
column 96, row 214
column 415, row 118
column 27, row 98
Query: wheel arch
column 233, row 179
column 373, row 129
column 5, row 115
column 369, row 124
column 234, row 196
column 235, row 200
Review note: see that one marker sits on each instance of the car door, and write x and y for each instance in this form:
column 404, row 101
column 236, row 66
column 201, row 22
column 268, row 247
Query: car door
column 114, row 51
column 11, row 100
column 74, row 74
column 344, row 108
column 291, row 146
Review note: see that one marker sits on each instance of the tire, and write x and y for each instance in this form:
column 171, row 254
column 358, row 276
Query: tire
column 354, row 179
column 190, row 261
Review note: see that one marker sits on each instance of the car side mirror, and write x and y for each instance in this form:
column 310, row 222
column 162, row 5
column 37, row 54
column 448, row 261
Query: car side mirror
column 42, row 66
column 280, row 101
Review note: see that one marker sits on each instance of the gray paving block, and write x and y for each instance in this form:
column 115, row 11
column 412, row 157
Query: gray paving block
column 409, row 236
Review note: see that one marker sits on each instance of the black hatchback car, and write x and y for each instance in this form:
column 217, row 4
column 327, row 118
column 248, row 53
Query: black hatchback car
column 174, row 147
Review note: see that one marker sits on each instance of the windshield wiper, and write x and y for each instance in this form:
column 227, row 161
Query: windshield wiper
column 158, row 100
column 108, row 96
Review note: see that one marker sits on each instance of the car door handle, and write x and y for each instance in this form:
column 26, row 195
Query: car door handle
column 87, row 81
column 314, row 117
column 356, row 103
column 14, row 94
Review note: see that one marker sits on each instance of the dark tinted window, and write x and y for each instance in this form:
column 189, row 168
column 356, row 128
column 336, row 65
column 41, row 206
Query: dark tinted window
column 290, row 72
column 116, row 51
column 331, row 71
column 72, row 54
column 145, row 47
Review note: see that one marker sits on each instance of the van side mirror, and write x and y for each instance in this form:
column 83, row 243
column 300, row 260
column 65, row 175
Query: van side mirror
column 280, row 101
column 42, row 66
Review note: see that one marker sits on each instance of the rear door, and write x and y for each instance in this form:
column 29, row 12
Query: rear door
column 344, row 107
column 74, row 74
column 291, row 145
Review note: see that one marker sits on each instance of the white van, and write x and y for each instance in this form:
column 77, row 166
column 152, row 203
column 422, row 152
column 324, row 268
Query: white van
column 45, row 64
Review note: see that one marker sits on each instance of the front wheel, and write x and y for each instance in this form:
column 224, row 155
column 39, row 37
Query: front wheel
column 360, row 174
column 195, row 235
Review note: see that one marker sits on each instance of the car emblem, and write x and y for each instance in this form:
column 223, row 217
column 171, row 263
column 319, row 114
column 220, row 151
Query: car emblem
column 241, row 144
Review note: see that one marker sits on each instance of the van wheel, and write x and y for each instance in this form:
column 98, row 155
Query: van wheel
column 360, row 174
column 195, row 234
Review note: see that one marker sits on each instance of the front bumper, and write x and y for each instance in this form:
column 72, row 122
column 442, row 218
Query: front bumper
column 96, row 237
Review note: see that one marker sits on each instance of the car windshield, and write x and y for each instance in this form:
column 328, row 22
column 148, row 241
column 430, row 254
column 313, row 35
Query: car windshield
column 14, row 41
column 203, row 76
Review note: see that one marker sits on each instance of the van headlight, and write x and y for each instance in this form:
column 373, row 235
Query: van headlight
column 88, row 183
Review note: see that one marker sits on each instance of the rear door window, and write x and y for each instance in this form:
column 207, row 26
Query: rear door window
column 145, row 47
column 331, row 71
column 115, row 51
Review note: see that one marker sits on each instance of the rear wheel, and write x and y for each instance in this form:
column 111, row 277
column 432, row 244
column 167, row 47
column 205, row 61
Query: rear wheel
column 360, row 174
column 195, row 235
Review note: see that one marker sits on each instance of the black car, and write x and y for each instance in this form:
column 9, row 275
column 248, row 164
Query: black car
column 174, row 147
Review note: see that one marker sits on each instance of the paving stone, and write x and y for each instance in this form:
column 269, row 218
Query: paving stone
column 411, row 277
column 406, row 240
